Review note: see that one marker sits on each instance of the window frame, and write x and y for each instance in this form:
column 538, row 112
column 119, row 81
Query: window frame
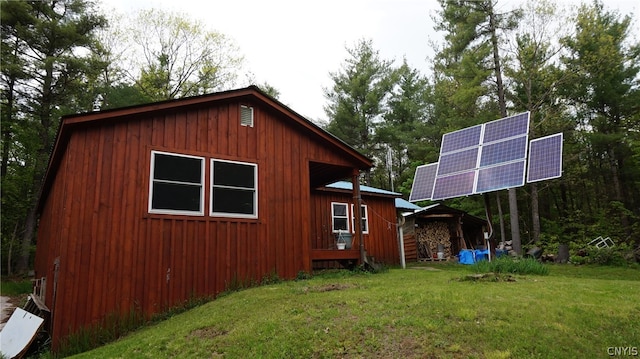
column 346, row 217
column 212, row 186
column 365, row 212
column 152, row 182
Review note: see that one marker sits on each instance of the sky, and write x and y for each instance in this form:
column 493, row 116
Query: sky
column 295, row 45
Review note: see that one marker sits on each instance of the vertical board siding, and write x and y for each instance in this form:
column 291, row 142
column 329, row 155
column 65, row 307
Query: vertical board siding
column 117, row 258
column 381, row 242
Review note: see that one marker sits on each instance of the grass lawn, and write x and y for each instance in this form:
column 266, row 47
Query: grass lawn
column 414, row 313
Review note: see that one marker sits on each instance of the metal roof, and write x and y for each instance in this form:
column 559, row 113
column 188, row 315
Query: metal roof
column 344, row 185
column 402, row 203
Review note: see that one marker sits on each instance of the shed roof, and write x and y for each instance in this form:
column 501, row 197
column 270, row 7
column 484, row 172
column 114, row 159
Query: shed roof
column 348, row 186
column 71, row 123
column 403, row 204
column 437, row 208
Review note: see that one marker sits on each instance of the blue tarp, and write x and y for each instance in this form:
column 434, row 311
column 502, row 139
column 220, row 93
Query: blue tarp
column 468, row 256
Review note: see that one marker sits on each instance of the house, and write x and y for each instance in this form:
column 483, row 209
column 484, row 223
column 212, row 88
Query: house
column 145, row 207
column 438, row 228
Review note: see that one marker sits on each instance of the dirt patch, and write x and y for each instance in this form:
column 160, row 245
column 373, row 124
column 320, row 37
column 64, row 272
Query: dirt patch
column 488, row 277
column 7, row 306
column 331, row 287
column 207, row 333
column 426, row 268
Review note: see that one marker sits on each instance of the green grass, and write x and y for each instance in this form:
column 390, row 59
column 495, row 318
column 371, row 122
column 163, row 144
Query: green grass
column 15, row 287
column 412, row 313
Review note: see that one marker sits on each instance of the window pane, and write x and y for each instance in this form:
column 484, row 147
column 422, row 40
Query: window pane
column 233, row 174
column 340, row 210
column 339, row 224
column 177, row 197
column 177, row 168
column 226, row 200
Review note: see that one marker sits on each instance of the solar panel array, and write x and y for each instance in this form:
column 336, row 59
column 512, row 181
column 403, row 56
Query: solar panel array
column 483, row 158
column 488, row 157
column 545, row 158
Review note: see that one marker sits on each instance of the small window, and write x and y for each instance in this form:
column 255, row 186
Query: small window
column 176, row 185
column 246, row 116
column 339, row 217
column 365, row 219
column 234, row 190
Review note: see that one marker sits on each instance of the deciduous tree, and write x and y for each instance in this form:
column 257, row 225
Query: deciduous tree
column 170, row 56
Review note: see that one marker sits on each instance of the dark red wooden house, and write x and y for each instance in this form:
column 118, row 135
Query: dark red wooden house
column 145, row 207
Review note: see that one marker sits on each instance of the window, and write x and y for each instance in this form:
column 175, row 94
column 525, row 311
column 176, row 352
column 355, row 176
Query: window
column 234, row 190
column 176, row 184
column 339, row 217
column 365, row 218
column 246, row 116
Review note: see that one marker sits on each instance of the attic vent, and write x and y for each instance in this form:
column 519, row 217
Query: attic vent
column 246, row 116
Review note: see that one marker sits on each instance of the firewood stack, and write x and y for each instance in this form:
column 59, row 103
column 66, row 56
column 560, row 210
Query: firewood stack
column 507, row 246
column 429, row 236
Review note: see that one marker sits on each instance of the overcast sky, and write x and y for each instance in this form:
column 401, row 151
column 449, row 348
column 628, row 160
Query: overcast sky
column 293, row 45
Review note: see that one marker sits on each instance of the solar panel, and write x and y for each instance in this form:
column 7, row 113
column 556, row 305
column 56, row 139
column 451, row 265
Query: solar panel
column 500, row 177
column 516, row 125
column 503, row 151
column 456, row 185
column 423, row 182
column 458, row 161
column 545, row 158
column 457, row 140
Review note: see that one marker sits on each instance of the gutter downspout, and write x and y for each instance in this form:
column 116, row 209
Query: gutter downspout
column 401, row 221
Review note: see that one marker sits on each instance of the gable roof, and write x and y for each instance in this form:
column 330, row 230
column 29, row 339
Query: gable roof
column 71, row 123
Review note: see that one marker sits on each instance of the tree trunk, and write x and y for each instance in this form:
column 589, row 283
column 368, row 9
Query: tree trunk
column 40, row 167
column 22, row 267
column 563, row 253
column 501, row 218
column 535, row 214
column 513, row 199
column 515, row 223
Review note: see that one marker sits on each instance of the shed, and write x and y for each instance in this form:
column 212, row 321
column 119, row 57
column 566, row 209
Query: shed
column 439, row 226
column 146, row 207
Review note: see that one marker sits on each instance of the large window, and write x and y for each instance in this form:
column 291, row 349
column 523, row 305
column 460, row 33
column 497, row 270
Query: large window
column 176, row 184
column 234, row 190
column 339, row 217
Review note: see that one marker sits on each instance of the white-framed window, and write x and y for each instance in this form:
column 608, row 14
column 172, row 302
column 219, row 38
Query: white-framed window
column 176, row 184
column 246, row 115
column 365, row 218
column 234, row 189
column 339, row 217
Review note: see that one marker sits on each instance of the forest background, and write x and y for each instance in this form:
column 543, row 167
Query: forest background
column 576, row 72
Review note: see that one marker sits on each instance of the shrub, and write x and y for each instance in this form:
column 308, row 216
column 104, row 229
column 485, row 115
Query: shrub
column 619, row 256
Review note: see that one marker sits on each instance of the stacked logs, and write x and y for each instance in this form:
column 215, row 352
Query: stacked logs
column 429, row 236
column 507, row 246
